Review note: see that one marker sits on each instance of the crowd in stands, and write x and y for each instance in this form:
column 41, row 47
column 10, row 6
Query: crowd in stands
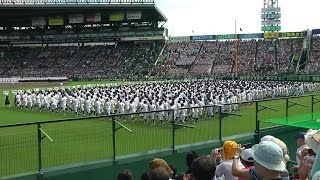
column 180, row 59
column 267, row 160
column 118, row 61
column 313, row 66
column 254, row 57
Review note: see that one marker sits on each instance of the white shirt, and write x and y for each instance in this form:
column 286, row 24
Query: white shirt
column 225, row 168
column 299, row 150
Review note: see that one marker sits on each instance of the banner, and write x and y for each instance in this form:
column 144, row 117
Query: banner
column 76, row 19
column 180, row 39
column 118, row 16
column 133, row 15
column 39, row 21
column 56, row 21
column 203, row 37
column 270, row 35
column 225, row 36
column 146, row 38
column 292, row 34
column 316, row 31
column 250, row 36
column 92, row 18
column 270, row 28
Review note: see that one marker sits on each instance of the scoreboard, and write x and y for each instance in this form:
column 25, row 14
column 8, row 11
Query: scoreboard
column 270, row 19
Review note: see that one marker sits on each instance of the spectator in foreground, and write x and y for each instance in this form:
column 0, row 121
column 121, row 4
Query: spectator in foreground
column 268, row 160
column 246, row 158
column 190, row 157
column 159, row 173
column 125, row 175
column 202, row 168
column 156, row 162
column 308, row 155
column 225, row 167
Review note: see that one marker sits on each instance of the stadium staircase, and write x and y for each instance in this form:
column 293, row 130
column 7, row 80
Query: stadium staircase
column 215, row 59
column 304, row 56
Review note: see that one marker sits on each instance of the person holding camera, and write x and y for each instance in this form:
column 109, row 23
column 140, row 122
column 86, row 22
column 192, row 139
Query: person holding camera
column 225, row 167
column 308, row 155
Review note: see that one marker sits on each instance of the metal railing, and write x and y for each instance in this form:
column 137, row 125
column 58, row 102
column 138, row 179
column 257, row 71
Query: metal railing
column 35, row 146
column 62, row 2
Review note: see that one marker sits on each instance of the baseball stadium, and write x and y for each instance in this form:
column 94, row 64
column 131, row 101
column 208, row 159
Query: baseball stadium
column 98, row 89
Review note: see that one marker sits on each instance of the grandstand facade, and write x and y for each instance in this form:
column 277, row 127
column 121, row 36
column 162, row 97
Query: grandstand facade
column 125, row 39
column 80, row 39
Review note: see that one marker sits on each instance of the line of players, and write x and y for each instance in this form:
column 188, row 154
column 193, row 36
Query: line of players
column 161, row 96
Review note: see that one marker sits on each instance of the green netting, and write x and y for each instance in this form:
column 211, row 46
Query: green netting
column 308, row 120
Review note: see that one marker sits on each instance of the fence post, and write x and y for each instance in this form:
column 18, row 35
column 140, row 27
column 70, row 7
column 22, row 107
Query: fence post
column 220, row 126
column 171, row 117
column 113, row 139
column 39, row 151
column 287, row 109
column 257, row 132
column 312, row 106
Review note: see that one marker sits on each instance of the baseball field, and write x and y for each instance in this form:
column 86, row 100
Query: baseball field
column 90, row 138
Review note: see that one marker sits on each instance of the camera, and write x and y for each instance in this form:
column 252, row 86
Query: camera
column 310, row 151
column 247, row 146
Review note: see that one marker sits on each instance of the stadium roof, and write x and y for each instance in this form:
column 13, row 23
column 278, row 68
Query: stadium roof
column 21, row 11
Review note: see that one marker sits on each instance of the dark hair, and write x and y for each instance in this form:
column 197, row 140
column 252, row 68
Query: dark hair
column 144, row 176
column 190, row 156
column 246, row 163
column 125, row 175
column 203, row 168
column 174, row 169
column 159, row 173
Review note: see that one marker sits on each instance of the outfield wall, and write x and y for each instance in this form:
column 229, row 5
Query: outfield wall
column 138, row 163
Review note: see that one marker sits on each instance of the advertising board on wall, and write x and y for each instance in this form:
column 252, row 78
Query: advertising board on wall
column 56, row 21
column 76, row 19
column 116, row 16
column 92, row 18
column 39, row 21
column 131, row 15
column 179, row 38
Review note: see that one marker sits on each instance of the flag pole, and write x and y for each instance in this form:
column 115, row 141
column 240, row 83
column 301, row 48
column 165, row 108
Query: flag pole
column 236, row 48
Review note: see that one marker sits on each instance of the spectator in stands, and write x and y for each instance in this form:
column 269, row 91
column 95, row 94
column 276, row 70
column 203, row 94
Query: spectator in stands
column 308, row 155
column 314, row 173
column 202, row 168
column 125, row 175
column 190, row 156
column 252, row 173
column 268, row 160
column 174, row 170
column 301, row 144
column 225, row 167
column 246, row 158
column 159, row 173
column 156, row 162
column 144, row 176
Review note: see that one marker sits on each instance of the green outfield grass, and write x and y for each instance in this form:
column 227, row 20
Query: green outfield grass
column 91, row 139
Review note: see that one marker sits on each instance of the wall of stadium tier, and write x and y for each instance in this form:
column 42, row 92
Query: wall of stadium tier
column 138, row 163
column 87, row 35
column 303, row 78
column 266, row 35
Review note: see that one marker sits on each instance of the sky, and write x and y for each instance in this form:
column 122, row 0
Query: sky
column 207, row 17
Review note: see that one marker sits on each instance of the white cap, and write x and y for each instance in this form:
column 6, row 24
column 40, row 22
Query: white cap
column 247, row 155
